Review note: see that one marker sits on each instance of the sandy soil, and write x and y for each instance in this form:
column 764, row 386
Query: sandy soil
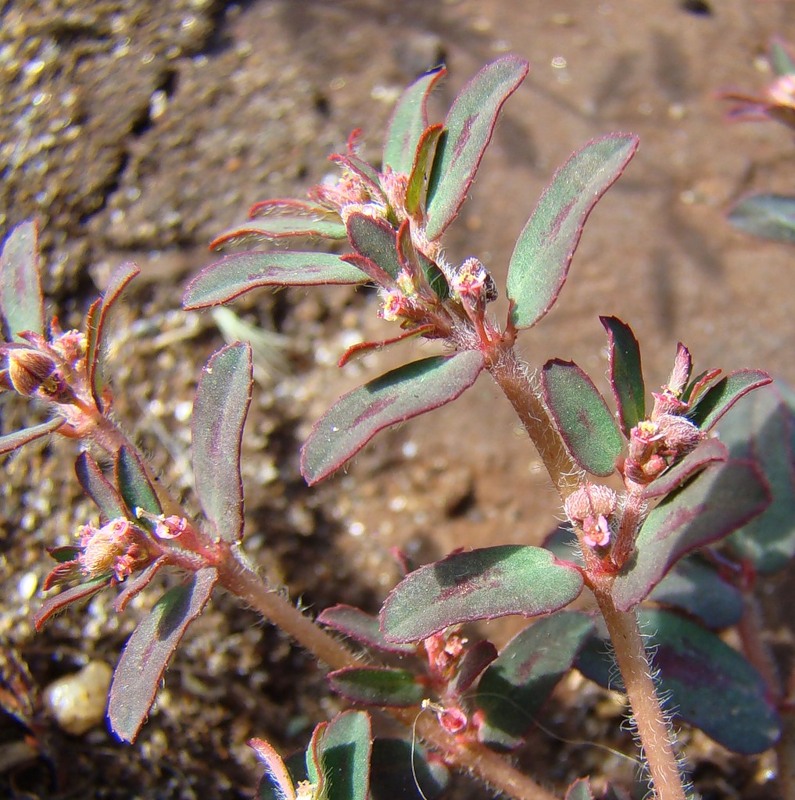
column 138, row 130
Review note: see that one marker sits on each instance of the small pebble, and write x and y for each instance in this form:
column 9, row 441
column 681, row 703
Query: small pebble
column 77, row 701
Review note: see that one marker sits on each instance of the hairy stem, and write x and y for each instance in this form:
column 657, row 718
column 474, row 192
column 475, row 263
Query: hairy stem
column 512, row 378
column 466, row 756
column 654, row 732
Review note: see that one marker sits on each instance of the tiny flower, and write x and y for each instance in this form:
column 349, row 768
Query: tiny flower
column 393, row 304
column 118, row 547
column 170, row 527
column 473, row 282
column 590, row 508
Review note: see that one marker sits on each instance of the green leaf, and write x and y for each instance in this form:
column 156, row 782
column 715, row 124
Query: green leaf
column 514, row 688
column 361, row 627
column 400, row 771
column 13, row 441
column 239, row 273
column 479, row 584
column 21, row 299
column 582, row 417
column 133, row 483
column 409, row 121
column 468, row 129
column 707, row 451
column 770, row 216
column 695, row 586
column 720, row 397
column 149, row 649
column 219, row 413
column 762, row 427
column 397, row 396
column 540, row 261
column 711, row 686
column 283, row 226
column 344, row 751
column 97, row 324
column 415, row 189
column 99, row 488
column 780, row 59
column 377, row 686
column 579, row 790
column 374, row 239
column 718, row 501
column 626, row 375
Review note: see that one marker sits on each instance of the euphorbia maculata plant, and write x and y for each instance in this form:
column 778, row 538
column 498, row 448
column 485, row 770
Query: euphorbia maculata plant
column 658, row 509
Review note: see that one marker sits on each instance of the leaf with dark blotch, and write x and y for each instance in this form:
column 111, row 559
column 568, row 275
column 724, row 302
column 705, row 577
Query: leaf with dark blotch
column 475, row 659
column 762, row 427
column 711, row 686
column 540, row 261
column 706, row 452
column 695, row 586
column 361, row 627
column 514, row 688
column 468, row 129
column 219, row 413
column 239, row 273
column 415, row 189
column 21, row 299
column 277, row 782
column 137, row 583
column 579, row 790
column 344, row 751
column 582, row 417
column 99, row 488
column 97, row 326
column 13, row 441
column 133, row 482
column 374, row 239
column 715, row 503
column 273, row 228
column 377, row 686
column 409, row 120
column 400, row 770
column 769, row 216
column 626, row 375
column 718, row 399
column 397, row 396
column 479, row 584
column 52, row 605
column 148, row 651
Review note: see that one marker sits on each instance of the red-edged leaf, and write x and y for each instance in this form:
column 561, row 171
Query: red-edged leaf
column 582, row 417
column 480, row 584
column 579, row 790
column 364, row 628
column 239, row 273
column 409, row 121
column 99, row 488
column 52, row 605
column 707, row 452
column 219, row 413
column 540, row 261
column 137, row 583
column 377, row 686
column 21, row 299
column 134, row 484
column 12, row 441
column 149, row 649
column 475, row 659
column 468, row 129
column 366, row 173
column 365, row 347
column 718, row 501
column 720, row 397
column 275, row 770
column 626, row 375
column 275, row 227
column 374, row 239
column 415, row 189
column 95, row 334
column 395, row 397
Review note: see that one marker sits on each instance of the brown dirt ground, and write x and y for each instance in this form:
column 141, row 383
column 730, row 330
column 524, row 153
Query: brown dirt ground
column 138, row 130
